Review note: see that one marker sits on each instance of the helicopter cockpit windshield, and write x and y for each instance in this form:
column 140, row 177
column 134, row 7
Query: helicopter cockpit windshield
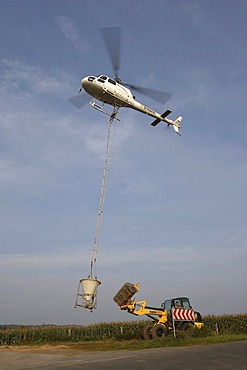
column 101, row 78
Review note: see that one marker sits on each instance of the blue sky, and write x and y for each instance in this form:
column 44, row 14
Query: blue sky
column 176, row 210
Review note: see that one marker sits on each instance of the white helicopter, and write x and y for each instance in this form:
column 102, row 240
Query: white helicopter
column 114, row 92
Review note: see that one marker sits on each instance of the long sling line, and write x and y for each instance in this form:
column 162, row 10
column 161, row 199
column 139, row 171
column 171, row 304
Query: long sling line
column 107, row 163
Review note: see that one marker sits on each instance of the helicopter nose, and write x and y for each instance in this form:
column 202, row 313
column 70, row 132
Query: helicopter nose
column 84, row 82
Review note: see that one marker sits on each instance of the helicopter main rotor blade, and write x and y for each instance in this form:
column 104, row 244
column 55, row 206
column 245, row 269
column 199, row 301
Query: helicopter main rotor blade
column 79, row 100
column 112, row 39
column 159, row 96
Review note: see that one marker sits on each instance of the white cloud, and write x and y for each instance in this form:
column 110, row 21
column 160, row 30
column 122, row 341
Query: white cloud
column 192, row 9
column 22, row 79
column 42, row 262
column 13, row 173
column 230, row 250
column 68, row 28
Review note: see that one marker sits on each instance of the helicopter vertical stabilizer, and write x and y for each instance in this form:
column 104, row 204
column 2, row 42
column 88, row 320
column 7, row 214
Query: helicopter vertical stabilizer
column 176, row 124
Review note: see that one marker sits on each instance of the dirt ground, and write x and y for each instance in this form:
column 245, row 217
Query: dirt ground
column 46, row 349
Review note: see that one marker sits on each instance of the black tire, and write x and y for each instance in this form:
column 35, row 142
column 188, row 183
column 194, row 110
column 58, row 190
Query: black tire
column 146, row 332
column 198, row 317
column 186, row 325
column 159, row 331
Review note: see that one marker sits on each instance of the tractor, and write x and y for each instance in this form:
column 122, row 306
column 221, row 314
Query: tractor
column 173, row 315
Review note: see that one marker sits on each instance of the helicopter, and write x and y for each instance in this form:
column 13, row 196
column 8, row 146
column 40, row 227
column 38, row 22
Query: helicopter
column 117, row 93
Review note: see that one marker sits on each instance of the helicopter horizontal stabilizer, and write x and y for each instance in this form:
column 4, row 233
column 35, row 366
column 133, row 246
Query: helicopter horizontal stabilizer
column 163, row 115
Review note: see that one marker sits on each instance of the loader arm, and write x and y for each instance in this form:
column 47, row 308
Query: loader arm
column 138, row 308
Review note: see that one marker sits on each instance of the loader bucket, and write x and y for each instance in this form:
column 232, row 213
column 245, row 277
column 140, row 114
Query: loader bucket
column 124, row 294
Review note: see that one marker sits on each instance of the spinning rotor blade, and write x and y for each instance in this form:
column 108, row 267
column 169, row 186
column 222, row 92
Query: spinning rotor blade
column 79, row 100
column 159, row 96
column 112, row 39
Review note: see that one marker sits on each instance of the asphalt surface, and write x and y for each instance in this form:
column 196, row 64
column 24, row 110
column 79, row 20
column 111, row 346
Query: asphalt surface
column 218, row 356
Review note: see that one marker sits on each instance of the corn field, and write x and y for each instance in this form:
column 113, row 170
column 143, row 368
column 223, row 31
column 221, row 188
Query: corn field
column 224, row 324
column 63, row 334
column 227, row 324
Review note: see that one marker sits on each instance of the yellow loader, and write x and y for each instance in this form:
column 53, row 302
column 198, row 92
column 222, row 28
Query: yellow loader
column 174, row 314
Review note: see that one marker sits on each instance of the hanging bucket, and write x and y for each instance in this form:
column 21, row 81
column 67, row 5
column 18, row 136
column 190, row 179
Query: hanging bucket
column 89, row 287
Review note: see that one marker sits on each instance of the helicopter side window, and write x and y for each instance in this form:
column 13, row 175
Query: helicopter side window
column 112, row 81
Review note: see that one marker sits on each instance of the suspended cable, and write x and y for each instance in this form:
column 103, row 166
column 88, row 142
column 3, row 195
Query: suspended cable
column 87, row 288
column 107, row 164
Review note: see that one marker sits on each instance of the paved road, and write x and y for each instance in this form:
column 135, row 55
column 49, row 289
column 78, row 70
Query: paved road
column 217, row 356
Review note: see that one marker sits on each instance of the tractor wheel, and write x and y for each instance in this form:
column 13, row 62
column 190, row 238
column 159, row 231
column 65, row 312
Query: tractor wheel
column 146, row 332
column 186, row 325
column 159, row 331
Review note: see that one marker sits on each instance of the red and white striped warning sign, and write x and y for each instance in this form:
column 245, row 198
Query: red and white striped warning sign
column 184, row 314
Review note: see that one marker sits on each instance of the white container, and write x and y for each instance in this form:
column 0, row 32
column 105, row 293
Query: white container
column 89, row 287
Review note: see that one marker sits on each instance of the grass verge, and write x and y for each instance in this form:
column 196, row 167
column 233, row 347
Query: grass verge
column 139, row 344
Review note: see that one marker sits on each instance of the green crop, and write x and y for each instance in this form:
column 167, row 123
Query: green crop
column 225, row 324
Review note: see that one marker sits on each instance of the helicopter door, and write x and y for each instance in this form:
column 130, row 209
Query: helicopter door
column 112, row 86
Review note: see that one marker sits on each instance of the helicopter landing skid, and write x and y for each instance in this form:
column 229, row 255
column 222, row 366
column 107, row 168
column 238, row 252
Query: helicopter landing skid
column 113, row 115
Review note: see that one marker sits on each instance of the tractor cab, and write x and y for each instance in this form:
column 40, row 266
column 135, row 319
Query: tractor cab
column 182, row 302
